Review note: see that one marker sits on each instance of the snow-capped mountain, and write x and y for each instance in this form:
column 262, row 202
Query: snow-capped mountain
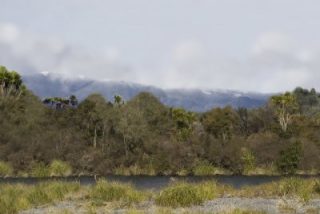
column 49, row 85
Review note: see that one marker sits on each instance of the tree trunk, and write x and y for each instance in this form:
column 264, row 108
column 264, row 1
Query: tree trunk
column 95, row 137
column 125, row 146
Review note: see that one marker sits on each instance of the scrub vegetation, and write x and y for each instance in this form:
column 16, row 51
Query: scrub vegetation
column 63, row 136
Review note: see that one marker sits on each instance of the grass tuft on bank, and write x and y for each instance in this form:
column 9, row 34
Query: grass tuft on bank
column 14, row 198
column 185, row 194
column 105, row 191
column 303, row 189
column 5, row 169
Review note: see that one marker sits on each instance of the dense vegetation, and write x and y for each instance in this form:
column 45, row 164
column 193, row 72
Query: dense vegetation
column 142, row 136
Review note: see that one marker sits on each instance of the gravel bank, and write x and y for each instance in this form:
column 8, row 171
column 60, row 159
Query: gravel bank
column 220, row 205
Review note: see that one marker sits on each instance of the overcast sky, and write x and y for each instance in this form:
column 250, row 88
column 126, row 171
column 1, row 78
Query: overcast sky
column 249, row 45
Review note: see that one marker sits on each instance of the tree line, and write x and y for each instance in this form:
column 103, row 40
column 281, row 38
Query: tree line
column 143, row 136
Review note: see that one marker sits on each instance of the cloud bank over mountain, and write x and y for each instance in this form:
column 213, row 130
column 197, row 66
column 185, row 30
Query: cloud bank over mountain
column 275, row 62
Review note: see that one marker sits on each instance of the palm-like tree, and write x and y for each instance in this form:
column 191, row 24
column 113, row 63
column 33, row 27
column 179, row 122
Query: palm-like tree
column 118, row 100
column 10, row 83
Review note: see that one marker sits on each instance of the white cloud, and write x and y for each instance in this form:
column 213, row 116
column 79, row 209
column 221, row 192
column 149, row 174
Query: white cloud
column 273, row 42
column 9, row 32
column 275, row 63
column 29, row 53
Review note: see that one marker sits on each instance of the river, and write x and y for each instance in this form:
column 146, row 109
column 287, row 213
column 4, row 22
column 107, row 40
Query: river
column 154, row 182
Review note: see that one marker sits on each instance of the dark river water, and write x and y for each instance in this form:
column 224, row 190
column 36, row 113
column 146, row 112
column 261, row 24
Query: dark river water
column 156, row 182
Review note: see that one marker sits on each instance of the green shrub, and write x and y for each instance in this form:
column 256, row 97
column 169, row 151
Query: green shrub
column 248, row 160
column 60, row 168
column 185, row 194
column 289, row 159
column 40, row 170
column 5, row 169
column 105, row 191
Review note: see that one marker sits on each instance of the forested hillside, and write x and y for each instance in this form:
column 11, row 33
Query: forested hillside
column 143, row 136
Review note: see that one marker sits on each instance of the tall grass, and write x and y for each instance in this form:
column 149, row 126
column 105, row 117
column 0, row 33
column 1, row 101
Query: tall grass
column 204, row 169
column 186, row 194
column 239, row 211
column 60, row 168
column 105, row 191
column 5, row 169
column 14, row 198
column 49, row 192
column 302, row 189
column 56, row 168
column 39, row 170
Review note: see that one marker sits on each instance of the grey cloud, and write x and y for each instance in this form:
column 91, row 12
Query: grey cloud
column 275, row 63
column 28, row 53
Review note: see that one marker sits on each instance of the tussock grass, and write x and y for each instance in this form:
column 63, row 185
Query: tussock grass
column 135, row 211
column 303, row 189
column 186, row 194
column 49, row 192
column 56, row 168
column 239, row 211
column 60, row 168
column 39, row 170
column 5, row 169
column 105, row 191
column 14, row 198
column 207, row 169
column 204, row 169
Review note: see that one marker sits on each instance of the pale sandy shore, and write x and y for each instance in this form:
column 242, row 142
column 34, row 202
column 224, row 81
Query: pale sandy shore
column 220, row 205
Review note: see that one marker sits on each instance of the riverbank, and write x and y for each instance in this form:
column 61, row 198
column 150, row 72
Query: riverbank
column 58, row 168
column 221, row 205
column 291, row 195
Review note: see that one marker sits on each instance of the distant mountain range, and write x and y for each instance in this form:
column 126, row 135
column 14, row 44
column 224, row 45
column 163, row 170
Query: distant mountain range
column 51, row 85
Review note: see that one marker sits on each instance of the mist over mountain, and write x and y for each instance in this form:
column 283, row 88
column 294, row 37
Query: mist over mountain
column 51, row 85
